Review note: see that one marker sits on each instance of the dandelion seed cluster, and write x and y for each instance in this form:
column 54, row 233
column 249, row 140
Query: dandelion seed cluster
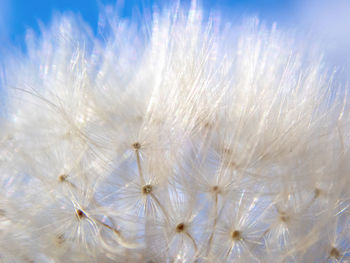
column 183, row 139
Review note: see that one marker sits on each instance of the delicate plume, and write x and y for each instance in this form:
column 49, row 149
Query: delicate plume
column 180, row 138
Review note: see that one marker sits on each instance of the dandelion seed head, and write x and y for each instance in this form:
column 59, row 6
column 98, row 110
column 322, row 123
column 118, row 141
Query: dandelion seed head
column 284, row 217
column 180, row 227
column 187, row 139
column 147, row 189
column 335, row 253
column 62, row 178
column 236, row 235
column 317, row 193
column 80, row 214
column 60, row 240
column 136, row 145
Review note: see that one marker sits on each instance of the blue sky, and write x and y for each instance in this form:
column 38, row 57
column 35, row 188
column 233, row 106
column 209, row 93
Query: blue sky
column 327, row 19
column 18, row 15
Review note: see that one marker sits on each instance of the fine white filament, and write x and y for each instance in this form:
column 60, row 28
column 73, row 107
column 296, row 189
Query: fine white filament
column 177, row 139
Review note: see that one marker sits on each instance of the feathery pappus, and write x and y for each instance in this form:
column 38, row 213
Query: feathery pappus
column 179, row 139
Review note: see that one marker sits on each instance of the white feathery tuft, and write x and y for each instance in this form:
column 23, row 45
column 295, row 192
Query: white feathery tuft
column 181, row 140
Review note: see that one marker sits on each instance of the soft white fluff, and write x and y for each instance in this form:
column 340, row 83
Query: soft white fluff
column 180, row 140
